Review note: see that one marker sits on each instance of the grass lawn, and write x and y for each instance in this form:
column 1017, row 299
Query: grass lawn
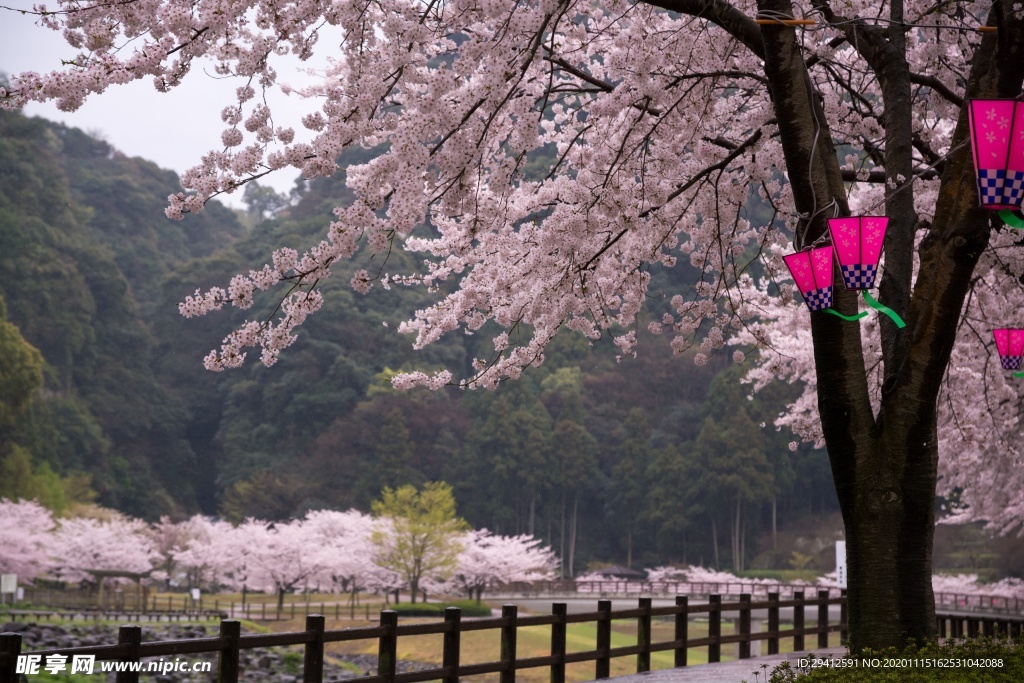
column 535, row 641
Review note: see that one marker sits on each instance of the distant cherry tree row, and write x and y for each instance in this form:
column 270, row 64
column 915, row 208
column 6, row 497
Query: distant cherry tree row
column 327, row 551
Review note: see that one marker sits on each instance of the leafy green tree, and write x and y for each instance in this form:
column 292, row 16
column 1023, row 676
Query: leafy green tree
column 21, row 369
column 669, row 509
column 394, row 464
column 418, row 532
column 262, row 202
column 628, row 488
column 509, row 445
column 733, row 474
column 577, row 471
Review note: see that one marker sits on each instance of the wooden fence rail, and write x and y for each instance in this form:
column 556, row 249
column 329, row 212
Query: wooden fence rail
column 230, row 642
column 631, row 588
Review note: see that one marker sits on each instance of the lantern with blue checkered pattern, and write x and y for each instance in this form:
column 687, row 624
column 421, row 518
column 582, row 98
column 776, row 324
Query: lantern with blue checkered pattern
column 812, row 271
column 1010, row 345
column 997, row 138
column 858, row 244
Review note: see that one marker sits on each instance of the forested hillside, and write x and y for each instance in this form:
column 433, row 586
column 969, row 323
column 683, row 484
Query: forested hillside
column 102, row 391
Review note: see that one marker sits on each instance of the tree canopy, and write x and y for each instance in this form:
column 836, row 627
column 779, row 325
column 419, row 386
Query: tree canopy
column 418, row 533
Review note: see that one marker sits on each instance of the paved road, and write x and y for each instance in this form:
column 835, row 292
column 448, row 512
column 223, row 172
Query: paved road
column 753, row 670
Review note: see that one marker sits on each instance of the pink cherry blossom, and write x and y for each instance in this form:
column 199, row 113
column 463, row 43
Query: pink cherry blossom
column 26, row 541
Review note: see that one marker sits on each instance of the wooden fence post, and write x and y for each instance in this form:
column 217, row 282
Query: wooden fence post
column 602, row 667
column 228, row 668
column 682, row 629
column 744, row 626
column 452, row 641
column 559, row 611
column 823, row 618
column 387, row 647
column 10, row 648
column 773, row 623
column 844, row 620
column 508, row 644
column 313, row 661
column 798, row 621
column 643, row 637
column 130, row 636
column 715, row 628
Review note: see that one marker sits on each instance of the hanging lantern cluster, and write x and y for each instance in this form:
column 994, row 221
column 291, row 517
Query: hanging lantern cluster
column 857, row 245
column 1010, row 345
column 997, row 142
column 812, row 271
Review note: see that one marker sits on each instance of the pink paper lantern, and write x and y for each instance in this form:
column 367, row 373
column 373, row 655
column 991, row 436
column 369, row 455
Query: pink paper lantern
column 858, row 244
column 812, row 271
column 1010, row 344
column 997, row 138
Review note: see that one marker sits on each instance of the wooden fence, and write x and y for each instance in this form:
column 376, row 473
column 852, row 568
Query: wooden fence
column 633, row 588
column 230, row 641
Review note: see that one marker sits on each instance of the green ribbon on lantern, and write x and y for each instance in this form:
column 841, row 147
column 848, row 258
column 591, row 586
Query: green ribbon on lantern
column 847, row 318
column 882, row 308
column 1012, row 219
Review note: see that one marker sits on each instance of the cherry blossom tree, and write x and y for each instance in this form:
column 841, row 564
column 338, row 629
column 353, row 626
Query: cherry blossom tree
column 205, row 557
column 279, row 556
column 345, row 537
column 116, row 548
column 489, row 559
column 83, row 547
column 25, row 539
column 657, row 121
column 170, row 539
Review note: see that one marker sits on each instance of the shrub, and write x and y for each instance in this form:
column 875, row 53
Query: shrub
column 436, row 609
column 981, row 660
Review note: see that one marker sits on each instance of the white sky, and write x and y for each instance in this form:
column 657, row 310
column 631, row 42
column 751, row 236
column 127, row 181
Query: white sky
column 171, row 129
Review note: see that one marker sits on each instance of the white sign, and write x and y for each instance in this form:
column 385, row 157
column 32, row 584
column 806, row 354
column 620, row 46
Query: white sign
column 195, row 594
column 8, row 583
column 841, row 564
